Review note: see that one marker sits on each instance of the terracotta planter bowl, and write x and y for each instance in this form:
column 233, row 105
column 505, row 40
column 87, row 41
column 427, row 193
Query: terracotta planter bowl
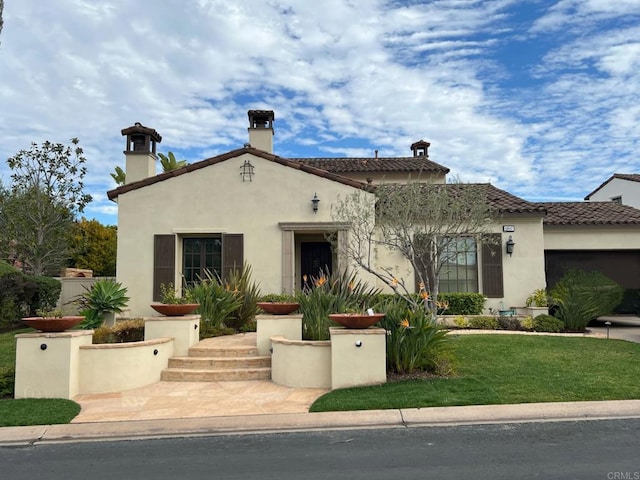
column 52, row 324
column 356, row 320
column 174, row 310
column 278, row 308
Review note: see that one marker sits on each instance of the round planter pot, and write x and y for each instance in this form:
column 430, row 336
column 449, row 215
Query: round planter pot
column 52, row 324
column 278, row 308
column 174, row 310
column 356, row 320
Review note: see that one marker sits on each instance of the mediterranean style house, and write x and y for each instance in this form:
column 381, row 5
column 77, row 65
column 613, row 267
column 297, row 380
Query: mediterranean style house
column 274, row 213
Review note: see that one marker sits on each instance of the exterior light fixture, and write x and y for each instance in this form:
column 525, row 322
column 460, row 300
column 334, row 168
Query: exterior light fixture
column 246, row 171
column 315, row 201
column 510, row 245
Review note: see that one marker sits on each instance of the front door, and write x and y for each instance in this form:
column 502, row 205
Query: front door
column 315, row 258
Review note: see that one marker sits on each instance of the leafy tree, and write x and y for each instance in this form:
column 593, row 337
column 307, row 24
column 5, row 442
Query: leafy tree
column 93, row 246
column 37, row 211
column 418, row 221
column 119, row 176
column 169, row 162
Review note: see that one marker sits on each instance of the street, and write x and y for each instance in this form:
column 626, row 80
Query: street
column 600, row 449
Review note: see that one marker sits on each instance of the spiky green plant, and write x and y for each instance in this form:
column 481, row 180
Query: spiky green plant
column 240, row 282
column 105, row 296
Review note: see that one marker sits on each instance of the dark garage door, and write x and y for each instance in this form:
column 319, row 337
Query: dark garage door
column 622, row 266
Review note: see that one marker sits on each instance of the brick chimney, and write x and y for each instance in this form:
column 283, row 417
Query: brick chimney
column 261, row 129
column 140, row 153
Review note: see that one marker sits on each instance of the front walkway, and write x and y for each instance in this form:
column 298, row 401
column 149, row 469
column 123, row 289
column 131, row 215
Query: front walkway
column 197, row 399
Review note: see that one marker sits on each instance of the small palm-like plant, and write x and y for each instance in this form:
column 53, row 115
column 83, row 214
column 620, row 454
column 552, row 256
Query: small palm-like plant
column 104, row 296
column 169, row 162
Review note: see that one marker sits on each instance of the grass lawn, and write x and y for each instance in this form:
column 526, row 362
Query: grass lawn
column 30, row 411
column 494, row 369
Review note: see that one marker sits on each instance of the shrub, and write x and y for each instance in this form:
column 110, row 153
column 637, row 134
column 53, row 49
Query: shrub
column 47, row 292
column 331, row 293
column 7, row 381
column 580, row 297
column 630, row 303
column 462, row 303
column 415, row 342
column 122, row 332
column 461, row 321
column 508, row 323
column 547, row 323
column 528, row 323
column 538, row 298
column 16, row 296
column 484, row 323
column 208, row 330
column 278, row 297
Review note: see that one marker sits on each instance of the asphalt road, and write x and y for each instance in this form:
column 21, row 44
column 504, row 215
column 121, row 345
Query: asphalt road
column 597, row 449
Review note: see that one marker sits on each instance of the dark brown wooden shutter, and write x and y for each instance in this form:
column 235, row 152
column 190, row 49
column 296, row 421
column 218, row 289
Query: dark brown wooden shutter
column 492, row 282
column 232, row 253
column 164, row 263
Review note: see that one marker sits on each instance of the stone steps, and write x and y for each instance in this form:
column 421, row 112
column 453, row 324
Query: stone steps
column 219, row 363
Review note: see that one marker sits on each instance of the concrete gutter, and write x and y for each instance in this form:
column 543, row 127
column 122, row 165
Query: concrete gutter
column 402, row 418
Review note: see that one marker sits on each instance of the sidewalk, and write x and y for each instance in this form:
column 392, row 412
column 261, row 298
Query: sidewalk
column 404, row 418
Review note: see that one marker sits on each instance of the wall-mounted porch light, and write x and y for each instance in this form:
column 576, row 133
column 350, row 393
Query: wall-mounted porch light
column 315, row 201
column 246, row 171
column 510, row 245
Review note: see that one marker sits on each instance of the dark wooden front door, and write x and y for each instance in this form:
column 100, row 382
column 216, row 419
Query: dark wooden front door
column 315, row 258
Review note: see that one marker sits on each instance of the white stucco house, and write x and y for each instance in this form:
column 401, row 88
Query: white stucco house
column 252, row 205
column 622, row 188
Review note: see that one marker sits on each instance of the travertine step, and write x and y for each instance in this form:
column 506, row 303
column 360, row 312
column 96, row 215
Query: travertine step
column 231, row 351
column 216, row 375
column 201, row 363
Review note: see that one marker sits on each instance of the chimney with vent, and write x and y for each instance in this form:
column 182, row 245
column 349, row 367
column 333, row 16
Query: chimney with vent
column 140, row 153
column 261, row 129
column 421, row 149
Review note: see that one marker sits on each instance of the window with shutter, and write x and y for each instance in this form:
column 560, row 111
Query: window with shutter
column 492, row 281
column 232, row 252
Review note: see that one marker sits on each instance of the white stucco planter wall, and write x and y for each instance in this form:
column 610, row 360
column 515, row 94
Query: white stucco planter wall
column 48, row 364
column 287, row 326
column 358, row 357
column 114, row 367
column 301, row 363
column 185, row 330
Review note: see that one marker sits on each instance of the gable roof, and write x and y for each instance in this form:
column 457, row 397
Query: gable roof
column 378, row 164
column 632, row 177
column 113, row 194
column 590, row 213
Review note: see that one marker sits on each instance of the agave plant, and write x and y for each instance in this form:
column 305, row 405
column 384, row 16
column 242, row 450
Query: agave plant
column 104, row 296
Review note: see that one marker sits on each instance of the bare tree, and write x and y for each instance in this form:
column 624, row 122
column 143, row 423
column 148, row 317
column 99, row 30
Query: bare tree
column 421, row 222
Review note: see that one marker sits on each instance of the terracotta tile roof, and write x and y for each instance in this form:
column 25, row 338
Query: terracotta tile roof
column 501, row 200
column 590, row 213
column 113, row 194
column 357, row 165
column 139, row 128
column 632, row 177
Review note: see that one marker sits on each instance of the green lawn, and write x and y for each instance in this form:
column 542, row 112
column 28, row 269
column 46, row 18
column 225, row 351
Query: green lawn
column 495, row 369
column 8, row 347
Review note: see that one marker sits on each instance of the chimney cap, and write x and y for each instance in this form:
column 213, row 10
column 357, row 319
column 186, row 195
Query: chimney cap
column 141, row 129
column 420, row 148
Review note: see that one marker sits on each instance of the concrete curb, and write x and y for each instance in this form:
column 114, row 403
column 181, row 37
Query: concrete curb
column 403, row 418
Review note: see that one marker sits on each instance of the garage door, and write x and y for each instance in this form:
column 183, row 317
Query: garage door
column 622, row 266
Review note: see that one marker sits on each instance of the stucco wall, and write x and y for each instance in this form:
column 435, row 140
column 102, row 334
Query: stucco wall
column 617, row 187
column 590, row 237
column 215, row 200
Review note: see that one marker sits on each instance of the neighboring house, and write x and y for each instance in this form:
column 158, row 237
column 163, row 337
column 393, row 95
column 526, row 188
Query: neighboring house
column 273, row 212
column 622, row 188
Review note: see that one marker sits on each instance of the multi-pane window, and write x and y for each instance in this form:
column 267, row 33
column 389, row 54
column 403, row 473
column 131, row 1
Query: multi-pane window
column 459, row 272
column 201, row 254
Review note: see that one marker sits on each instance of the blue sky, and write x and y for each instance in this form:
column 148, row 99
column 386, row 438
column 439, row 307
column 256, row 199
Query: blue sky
column 541, row 98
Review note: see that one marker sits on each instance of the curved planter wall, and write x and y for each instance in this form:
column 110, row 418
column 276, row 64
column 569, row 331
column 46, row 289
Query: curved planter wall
column 301, row 363
column 113, row 367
